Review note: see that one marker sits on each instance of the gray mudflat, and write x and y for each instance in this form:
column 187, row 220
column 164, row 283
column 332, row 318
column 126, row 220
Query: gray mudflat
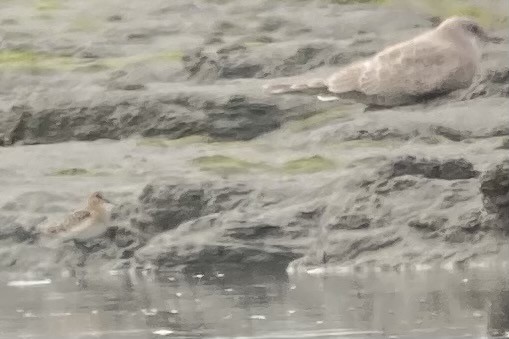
column 160, row 105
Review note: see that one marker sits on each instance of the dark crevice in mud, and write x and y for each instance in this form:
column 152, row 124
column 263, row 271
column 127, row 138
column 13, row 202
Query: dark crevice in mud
column 450, row 169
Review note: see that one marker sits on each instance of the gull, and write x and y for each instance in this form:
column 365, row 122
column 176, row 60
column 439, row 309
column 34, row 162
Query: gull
column 431, row 64
column 83, row 224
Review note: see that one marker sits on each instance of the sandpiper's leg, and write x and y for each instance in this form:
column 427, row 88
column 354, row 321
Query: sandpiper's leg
column 83, row 252
column 80, row 245
column 325, row 257
column 140, row 236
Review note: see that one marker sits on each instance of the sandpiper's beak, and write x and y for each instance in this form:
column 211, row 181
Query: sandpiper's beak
column 107, row 201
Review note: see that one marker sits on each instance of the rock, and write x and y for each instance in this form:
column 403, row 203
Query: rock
column 15, row 125
column 133, row 87
column 224, row 25
column 218, row 223
column 137, row 36
column 428, row 223
column 239, row 61
column 495, row 79
column 165, row 206
column 122, row 237
column 270, row 24
column 449, row 133
column 346, row 249
column 505, row 144
column 124, row 114
column 504, row 91
column 12, row 230
column 349, row 221
column 200, row 66
column 434, row 169
column 499, row 76
column 457, row 121
column 365, row 218
column 457, row 169
column 254, row 232
column 498, row 308
column 396, row 184
column 471, row 222
column 212, row 40
column 240, row 119
column 232, row 48
column 114, row 18
column 495, row 191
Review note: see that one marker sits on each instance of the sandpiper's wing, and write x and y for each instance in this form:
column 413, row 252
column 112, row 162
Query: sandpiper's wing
column 70, row 222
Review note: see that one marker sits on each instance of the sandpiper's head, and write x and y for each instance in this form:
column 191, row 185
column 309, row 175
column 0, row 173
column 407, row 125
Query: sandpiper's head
column 96, row 199
column 468, row 27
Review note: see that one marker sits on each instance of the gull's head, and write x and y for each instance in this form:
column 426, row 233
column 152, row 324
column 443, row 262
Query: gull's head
column 466, row 27
column 97, row 199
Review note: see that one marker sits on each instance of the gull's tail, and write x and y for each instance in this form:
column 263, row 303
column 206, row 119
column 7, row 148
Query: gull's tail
column 312, row 86
column 317, row 87
column 327, row 97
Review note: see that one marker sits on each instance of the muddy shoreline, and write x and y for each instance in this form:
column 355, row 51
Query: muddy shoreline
column 160, row 106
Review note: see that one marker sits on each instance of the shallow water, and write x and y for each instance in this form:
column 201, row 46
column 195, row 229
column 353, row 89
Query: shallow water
column 433, row 304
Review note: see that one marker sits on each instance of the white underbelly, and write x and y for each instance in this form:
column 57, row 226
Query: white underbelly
column 87, row 230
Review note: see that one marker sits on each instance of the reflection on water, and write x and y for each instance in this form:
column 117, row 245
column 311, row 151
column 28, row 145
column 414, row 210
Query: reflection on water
column 253, row 304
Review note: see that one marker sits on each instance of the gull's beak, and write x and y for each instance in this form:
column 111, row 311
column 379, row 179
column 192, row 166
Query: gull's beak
column 488, row 38
column 494, row 39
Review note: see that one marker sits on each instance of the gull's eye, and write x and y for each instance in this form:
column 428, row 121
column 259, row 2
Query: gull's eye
column 474, row 29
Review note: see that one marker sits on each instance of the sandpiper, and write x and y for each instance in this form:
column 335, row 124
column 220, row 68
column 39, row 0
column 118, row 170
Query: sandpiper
column 83, row 224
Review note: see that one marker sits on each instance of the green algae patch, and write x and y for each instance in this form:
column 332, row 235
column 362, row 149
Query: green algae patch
column 77, row 171
column 124, row 61
column 222, row 164
column 71, row 171
column 191, row 139
column 48, row 5
column 84, row 24
column 257, row 41
column 486, row 15
column 312, row 164
column 226, row 165
column 33, row 61
column 120, row 62
column 30, row 60
column 320, row 119
column 254, row 44
column 153, row 142
column 170, row 55
column 9, row 56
